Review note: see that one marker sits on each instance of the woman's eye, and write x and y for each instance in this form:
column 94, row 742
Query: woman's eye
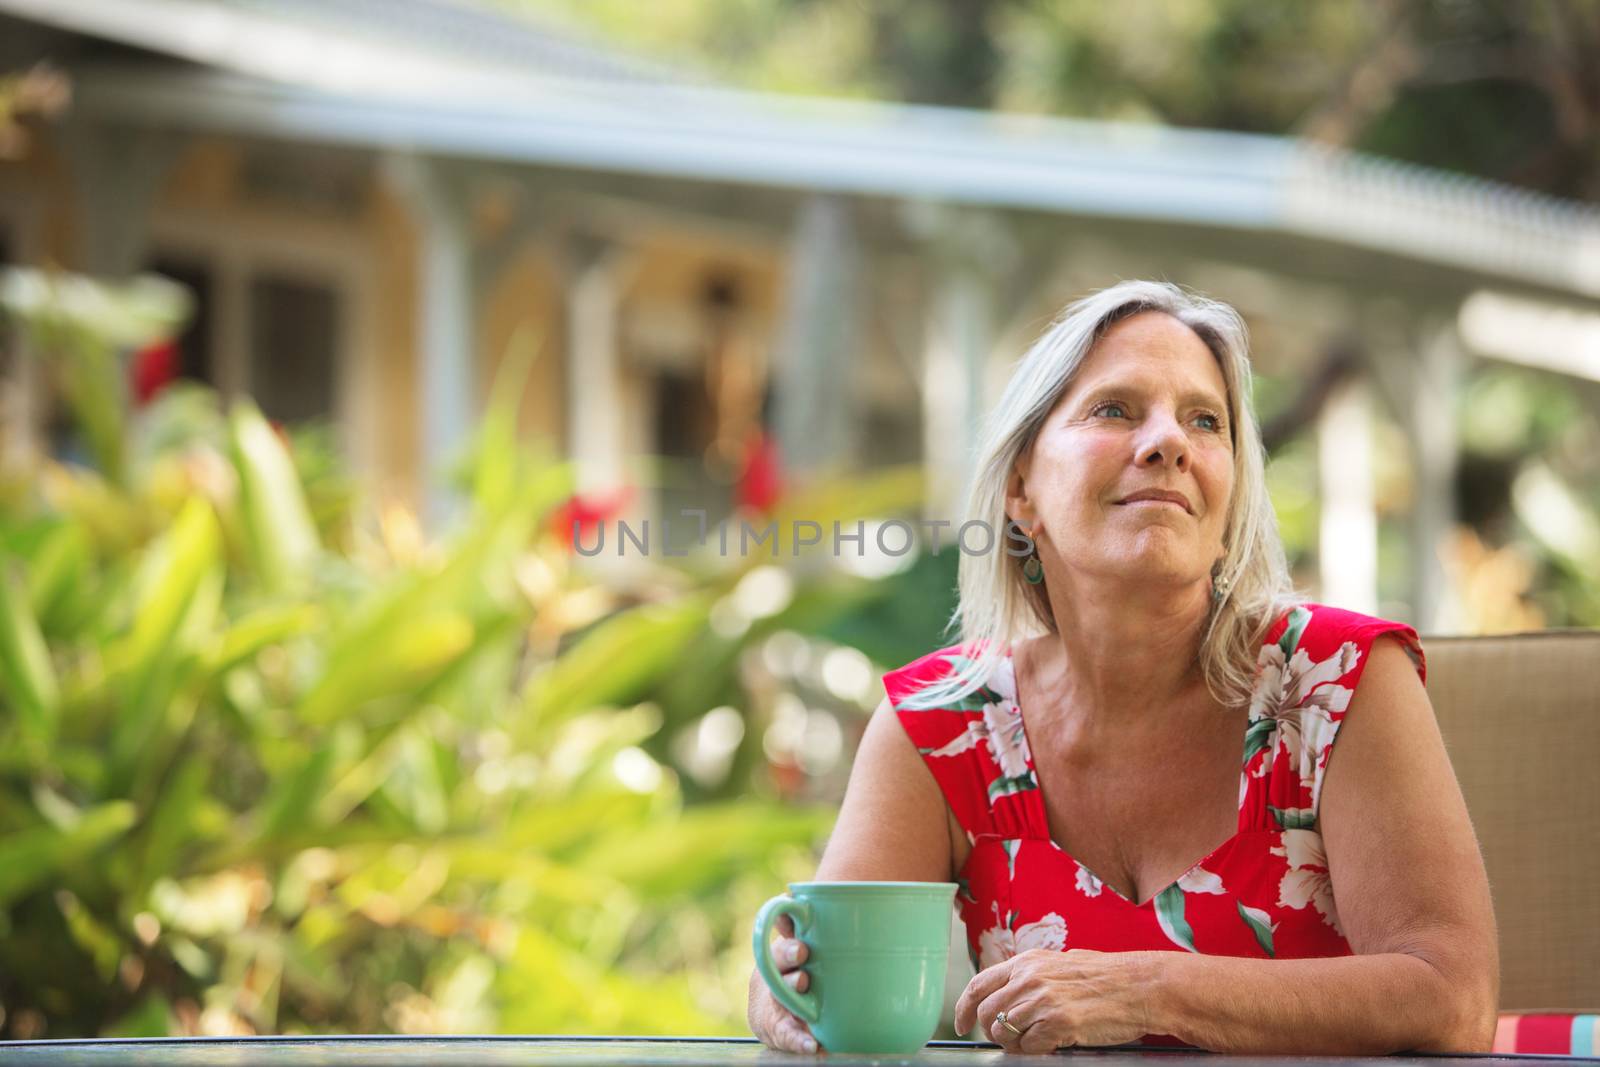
column 1208, row 421
column 1115, row 411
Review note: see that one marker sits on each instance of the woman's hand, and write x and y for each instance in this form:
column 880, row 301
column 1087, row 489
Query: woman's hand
column 775, row 1025
column 1057, row 999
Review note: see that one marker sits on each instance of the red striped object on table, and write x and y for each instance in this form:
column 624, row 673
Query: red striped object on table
column 1560, row 1035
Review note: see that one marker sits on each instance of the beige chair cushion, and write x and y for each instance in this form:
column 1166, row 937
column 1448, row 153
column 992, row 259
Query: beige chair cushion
column 1520, row 716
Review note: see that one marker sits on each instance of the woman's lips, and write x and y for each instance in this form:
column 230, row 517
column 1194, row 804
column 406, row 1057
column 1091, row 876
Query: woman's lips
column 1169, row 499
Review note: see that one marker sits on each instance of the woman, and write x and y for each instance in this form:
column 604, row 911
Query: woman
column 1142, row 686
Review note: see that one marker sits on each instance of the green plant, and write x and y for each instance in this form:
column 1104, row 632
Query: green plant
column 265, row 771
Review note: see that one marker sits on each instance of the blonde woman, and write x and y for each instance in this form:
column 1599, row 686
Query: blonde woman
column 1125, row 763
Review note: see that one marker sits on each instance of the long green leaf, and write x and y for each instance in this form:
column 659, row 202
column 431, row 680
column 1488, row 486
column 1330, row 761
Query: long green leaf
column 173, row 824
column 56, row 573
column 179, row 600
column 291, row 800
column 36, row 856
column 404, row 656
column 174, row 568
column 1169, row 906
column 700, row 847
column 261, row 628
column 27, row 678
column 613, row 662
column 1260, row 924
column 282, row 538
column 498, row 450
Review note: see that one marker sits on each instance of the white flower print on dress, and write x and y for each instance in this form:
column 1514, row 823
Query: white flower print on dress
column 1307, row 880
column 999, row 942
column 1003, row 679
column 1000, row 728
column 1089, row 884
column 1007, row 741
column 1199, row 880
column 1299, row 697
column 1011, row 845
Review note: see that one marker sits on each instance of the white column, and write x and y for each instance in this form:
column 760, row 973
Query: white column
column 445, row 308
column 1435, row 453
column 819, row 342
column 1418, row 370
column 1347, row 542
column 117, row 172
column 971, row 253
column 960, row 330
column 595, row 401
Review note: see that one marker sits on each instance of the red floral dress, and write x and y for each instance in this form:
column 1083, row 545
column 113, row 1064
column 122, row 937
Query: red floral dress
column 1265, row 892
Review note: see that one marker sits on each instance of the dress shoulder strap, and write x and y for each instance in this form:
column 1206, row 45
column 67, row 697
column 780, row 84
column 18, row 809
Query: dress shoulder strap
column 1307, row 671
column 957, row 743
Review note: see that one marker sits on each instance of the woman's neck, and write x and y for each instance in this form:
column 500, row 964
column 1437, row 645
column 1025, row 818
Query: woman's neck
column 1122, row 651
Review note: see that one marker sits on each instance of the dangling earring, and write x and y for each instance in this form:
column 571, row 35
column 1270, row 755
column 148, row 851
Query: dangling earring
column 1219, row 584
column 1032, row 567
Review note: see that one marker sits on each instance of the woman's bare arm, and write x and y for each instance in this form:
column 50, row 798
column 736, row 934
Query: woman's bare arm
column 1412, row 897
column 892, row 825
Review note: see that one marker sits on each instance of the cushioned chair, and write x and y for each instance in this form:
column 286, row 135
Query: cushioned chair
column 1520, row 716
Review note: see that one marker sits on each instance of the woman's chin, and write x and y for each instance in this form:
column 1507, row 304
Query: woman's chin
column 1156, row 563
column 1160, row 547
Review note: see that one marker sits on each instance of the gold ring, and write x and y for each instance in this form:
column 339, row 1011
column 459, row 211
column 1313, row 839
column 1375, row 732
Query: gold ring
column 1003, row 1021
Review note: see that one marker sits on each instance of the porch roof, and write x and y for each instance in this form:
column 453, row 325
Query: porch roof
column 267, row 68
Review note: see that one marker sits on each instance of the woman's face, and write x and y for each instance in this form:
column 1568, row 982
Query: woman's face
column 1131, row 473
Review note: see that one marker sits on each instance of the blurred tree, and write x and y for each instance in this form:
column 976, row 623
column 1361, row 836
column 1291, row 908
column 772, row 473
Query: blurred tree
column 1503, row 91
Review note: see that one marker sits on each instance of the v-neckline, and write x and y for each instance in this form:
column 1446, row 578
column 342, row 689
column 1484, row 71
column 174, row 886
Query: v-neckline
column 1044, row 808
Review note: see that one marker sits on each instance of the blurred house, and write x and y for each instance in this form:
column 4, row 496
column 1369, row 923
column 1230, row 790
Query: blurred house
column 370, row 197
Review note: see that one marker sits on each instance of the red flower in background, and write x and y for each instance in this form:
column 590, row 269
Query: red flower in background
column 152, row 369
column 588, row 510
column 760, row 482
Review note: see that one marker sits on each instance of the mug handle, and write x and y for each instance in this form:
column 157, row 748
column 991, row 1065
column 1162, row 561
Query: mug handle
column 799, row 911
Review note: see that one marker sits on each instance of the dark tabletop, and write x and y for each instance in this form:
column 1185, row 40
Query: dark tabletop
column 608, row 1051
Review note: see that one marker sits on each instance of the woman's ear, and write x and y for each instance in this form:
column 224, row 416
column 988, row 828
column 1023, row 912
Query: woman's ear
column 1018, row 507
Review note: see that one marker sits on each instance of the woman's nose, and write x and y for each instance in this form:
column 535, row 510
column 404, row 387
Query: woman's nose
column 1163, row 445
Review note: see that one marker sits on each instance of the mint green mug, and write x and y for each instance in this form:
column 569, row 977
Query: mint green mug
column 876, row 957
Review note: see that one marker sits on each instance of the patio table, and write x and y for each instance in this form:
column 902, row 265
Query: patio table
column 372, row 1051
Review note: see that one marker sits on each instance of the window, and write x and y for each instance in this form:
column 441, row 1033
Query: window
column 294, row 341
column 683, row 421
column 196, row 360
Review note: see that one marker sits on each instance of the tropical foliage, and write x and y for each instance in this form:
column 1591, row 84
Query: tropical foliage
column 268, row 764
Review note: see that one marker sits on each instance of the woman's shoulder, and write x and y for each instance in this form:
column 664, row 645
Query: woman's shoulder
column 1320, row 631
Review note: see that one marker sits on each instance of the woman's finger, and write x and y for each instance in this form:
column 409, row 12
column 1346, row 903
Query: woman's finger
column 790, row 952
column 783, row 1029
column 797, row 1038
column 787, row 1032
column 1003, row 1037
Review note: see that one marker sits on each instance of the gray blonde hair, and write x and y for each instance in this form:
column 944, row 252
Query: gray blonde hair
column 998, row 607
